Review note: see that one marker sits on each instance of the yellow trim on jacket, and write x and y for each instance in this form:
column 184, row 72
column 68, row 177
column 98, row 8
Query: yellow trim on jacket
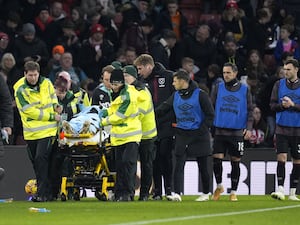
column 36, row 107
column 123, row 115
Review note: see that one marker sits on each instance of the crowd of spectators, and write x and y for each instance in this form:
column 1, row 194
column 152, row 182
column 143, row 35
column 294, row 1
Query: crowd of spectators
column 83, row 37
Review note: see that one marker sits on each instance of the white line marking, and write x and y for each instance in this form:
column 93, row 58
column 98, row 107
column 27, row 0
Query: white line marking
column 207, row 215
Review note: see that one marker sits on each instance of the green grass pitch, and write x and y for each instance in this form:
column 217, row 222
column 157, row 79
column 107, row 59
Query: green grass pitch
column 249, row 210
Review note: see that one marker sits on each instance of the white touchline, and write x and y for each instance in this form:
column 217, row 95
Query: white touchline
column 207, row 216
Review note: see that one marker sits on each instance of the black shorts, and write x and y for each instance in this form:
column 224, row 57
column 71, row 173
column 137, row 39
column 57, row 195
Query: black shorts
column 284, row 144
column 234, row 145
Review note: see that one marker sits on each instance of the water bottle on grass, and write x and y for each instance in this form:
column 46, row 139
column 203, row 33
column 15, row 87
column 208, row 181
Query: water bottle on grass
column 40, row 210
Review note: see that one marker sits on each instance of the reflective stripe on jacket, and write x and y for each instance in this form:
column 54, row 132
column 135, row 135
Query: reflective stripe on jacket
column 82, row 97
column 123, row 115
column 36, row 108
column 147, row 115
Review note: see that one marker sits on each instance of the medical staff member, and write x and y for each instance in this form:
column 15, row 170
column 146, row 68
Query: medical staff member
column 125, row 134
column 38, row 106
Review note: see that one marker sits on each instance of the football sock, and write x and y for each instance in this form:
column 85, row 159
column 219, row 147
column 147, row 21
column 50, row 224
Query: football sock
column 294, row 178
column 235, row 175
column 280, row 173
column 218, row 169
column 292, row 191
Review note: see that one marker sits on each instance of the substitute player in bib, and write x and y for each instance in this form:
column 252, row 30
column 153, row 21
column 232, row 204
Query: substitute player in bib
column 233, row 124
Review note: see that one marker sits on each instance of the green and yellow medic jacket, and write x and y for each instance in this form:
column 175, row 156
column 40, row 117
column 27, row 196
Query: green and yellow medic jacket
column 82, row 97
column 146, row 109
column 36, row 108
column 123, row 115
column 70, row 105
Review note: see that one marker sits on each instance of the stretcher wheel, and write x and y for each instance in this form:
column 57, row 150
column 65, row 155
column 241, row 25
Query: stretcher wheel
column 76, row 196
column 63, row 197
column 100, row 196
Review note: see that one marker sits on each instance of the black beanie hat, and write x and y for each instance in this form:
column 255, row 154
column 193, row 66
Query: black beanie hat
column 117, row 76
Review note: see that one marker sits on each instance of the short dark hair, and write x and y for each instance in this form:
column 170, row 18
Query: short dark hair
column 31, row 66
column 130, row 49
column 172, row 2
column 233, row 66
column 262, row 13
column 214, row 68
column 294, row 62
column 182, row 75
column 187, row 60
column 230, row 39
column 286, row 54
column 61, row 83
column 168, row 34
column 146, row 23
column 288, row 27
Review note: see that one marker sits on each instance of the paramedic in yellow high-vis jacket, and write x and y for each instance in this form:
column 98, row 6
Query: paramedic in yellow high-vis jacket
column 38, row 106
column 125, row 134
column 147, row 148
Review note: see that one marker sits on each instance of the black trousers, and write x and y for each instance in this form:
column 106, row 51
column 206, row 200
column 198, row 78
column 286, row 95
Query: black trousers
column 39, row 153
column 126, row 159
column 60, row 165
column 179, row 173
column 147, row 154
column 163, row 166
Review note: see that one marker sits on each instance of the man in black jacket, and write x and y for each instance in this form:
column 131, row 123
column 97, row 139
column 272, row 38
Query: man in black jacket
column 159, row 81
column 194, row 115
column 160, row 49
column 231, row 54
column 29, row 47
column 6, row 116
column 134, row 12
column 96, row 52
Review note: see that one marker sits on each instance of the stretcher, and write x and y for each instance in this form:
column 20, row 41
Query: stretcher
column 90, row 156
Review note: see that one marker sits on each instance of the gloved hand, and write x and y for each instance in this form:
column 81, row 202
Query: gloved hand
column 104, row 113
